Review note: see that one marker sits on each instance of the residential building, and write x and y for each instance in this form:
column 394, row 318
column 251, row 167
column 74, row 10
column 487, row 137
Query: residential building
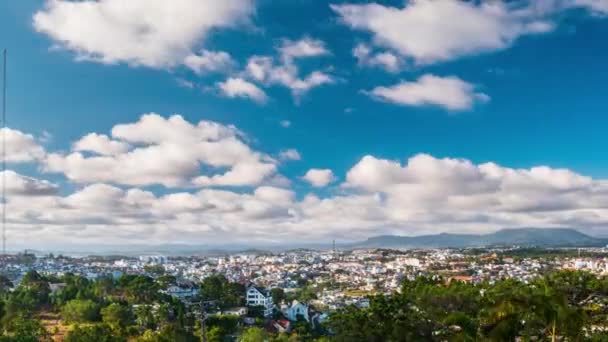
column 295, row 310
column 257, row 296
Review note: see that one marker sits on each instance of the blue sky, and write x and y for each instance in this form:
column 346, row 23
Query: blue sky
column 519, row 85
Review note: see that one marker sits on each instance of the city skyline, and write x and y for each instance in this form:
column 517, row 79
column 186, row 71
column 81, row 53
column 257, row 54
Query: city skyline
column 242, row 123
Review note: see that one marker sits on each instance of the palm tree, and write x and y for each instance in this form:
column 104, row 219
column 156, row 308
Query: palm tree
column 557, row 315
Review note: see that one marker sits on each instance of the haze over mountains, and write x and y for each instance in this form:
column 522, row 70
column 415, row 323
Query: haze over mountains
column 524, row 237
column 541, row 237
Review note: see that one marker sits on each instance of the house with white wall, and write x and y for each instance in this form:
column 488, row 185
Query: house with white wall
column 257, row 296
column 296, row 309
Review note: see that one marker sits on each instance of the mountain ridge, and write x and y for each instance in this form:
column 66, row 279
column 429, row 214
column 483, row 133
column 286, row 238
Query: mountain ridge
column 540, row 237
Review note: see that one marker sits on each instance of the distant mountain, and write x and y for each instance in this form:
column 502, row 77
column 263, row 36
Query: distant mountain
column 525, row 237
column 541, row 237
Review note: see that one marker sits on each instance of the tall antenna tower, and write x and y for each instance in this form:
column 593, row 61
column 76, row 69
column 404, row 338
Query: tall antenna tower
column 331, row 274
column 4, row 154
column 334, row 248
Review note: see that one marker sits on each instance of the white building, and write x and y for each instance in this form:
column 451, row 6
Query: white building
column 181, row 293
column 257, row 296
column 236, row 311
column 297, row 309
column 413, row 262
column 153, row 259
column 580, row 264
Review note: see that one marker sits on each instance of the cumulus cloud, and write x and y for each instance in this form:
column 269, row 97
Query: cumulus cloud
column 263, row 69
column 20, row 185
column 305, row 47
column 238, row 87
column 385, row 60
column 451, row 93
column 285, row 72
column 423, row 194
column 419, row 32
column 152, row 33
column 100, row 144
column 243, row 173
column 463, row 187
column 319, row 177
column 209, row 61
column 168, row 151
column 201, row 163
column 290, row 154
column 97, row 209
column 21, row 147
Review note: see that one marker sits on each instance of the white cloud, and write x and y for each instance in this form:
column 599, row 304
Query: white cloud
column 209, row 61
column 266, row 70
column 425, row 194
column 19, row 185
column 319, row 177
column 290, row 154
column 305, row 47
column 168, row 151
column 426, row 178
column 245, row 173
column 259, row 68
column 263, row 69
column 595, row 7
column 238, row 87
column 285, row 123
column 450, row 93
column 385, row 60
column 274, row 195
column 459, row 188
column 420, row 32
column 599, row 7
column 100, row 144
column 21, row 147
column 313, row 80
column 185, row 83
column 152, row 33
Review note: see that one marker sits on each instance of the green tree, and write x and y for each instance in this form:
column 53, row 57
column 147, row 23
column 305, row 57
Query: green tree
column 5, row 285
column 559, row 318
column 226, row 323
column 254, row 334
column 79, row 311
column 215, row 334
column 164, row 281
column 24, row 329
column 306, row 294
column 218, row 288
column 92, row 333
column 278, row 295
column 169, row 333
column 256, row 311
column 154, row 269
column 76, row 287
column 117, row 316
column 32, row 294
column 138, row 288
column 144, row 316
column 103, row 287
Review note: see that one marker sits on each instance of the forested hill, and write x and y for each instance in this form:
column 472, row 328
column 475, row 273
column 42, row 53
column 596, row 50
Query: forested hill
column 542, row 237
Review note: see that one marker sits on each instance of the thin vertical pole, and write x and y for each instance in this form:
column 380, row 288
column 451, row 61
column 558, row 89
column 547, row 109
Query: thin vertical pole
column 4, row 156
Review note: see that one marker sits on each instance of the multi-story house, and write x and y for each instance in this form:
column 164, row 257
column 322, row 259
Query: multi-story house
column 257, row 296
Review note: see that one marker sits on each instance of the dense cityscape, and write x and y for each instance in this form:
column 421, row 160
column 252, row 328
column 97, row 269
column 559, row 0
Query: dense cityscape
column 306, row 295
